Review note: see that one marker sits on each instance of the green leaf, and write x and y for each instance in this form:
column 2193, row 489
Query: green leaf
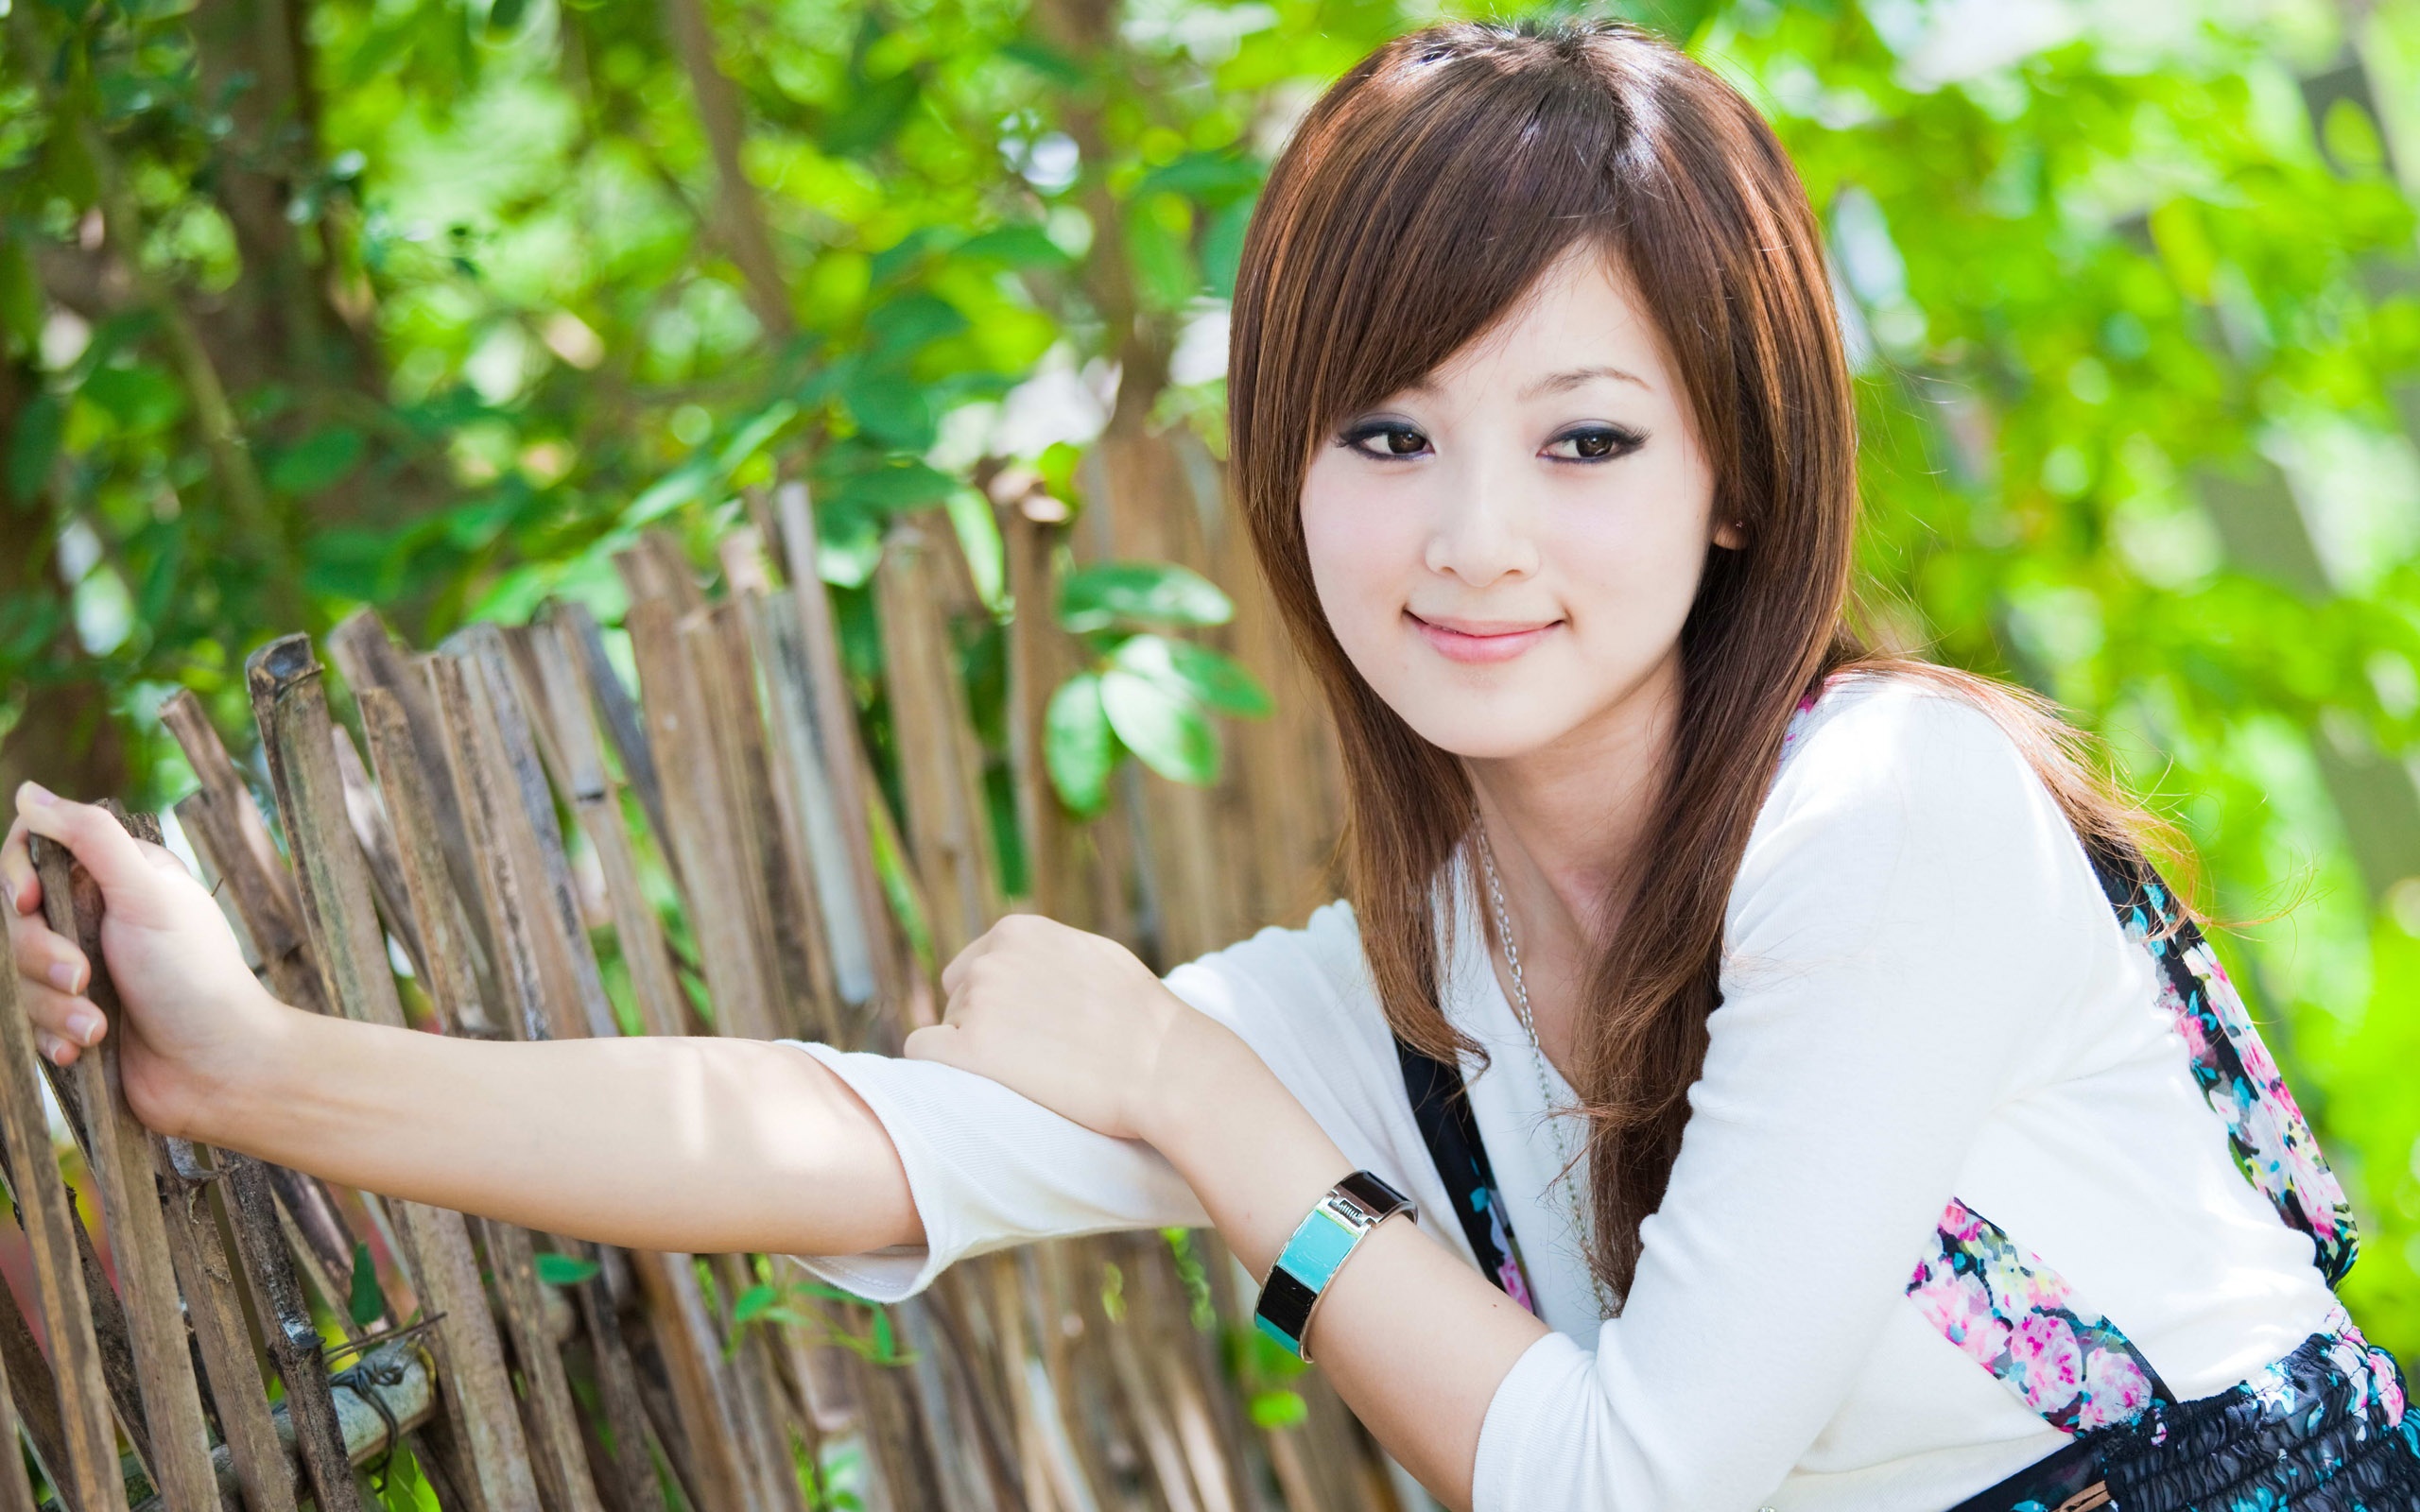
column 1016, row 246
column 317, row 460
column 1279, row 1408
column 1077, row 746
column 892, row 409
column 904, row 485
column 1164, row 725
column 1217, row 679
column 1213, row 177
column 138, row 398
column 564, row 1270
column 1139, row 593
column 903, row 325
column 756, row 1303
column 35, row 446
column 367, row 1301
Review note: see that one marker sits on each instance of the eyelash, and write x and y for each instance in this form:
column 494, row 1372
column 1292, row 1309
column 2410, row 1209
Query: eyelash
column 1623, row 440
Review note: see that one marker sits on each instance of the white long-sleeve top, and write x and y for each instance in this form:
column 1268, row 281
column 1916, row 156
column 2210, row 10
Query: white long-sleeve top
column 1924, row 993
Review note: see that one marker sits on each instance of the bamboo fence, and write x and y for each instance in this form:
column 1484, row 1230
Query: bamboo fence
column 521, row 845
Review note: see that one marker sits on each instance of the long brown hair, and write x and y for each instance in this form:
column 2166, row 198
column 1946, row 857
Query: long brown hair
column 1417, row 201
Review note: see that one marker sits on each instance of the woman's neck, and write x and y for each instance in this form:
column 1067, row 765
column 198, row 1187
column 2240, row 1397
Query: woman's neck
column 1566, row 824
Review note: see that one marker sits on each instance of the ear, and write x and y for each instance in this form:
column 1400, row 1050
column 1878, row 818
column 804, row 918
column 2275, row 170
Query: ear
column 1731, row 534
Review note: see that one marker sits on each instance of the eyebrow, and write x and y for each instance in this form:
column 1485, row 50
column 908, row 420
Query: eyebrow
column 1557, row 383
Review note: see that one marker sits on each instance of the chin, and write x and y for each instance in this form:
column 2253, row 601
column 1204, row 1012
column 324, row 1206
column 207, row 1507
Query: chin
column 1483, row 735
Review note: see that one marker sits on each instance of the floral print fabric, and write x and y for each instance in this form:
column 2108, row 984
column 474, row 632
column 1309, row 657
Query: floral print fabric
column 2016, row 1317
column 2272, row 1142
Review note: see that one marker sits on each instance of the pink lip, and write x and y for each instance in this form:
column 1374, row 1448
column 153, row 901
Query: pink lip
column 1480, row 641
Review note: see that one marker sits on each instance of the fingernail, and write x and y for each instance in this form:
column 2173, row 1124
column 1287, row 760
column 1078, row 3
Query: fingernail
column 56, row 1049
column 38, row 794
column 62, row 976
column 85, row 1026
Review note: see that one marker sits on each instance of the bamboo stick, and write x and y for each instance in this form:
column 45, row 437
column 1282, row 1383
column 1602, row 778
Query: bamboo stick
column 262, row 1471
column 623, row 726
column 488, row 798
column 16, row 1487
column 710, row 872
column 369, row 657
column 376, row 834
column 174, row 1431
column 783, row 898
column 563, row 710
column 221, row 816
column 947, row 821
column 36, row 1393
column 469, row 1350
column 803, row 793
column 536, row 835
column 836, row 728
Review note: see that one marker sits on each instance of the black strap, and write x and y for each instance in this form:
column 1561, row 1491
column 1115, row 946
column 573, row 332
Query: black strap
column 1441, row 1105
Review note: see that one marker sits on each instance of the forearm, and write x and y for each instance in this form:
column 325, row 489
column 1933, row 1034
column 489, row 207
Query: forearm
column 1413, row 1340
column 688, row 1144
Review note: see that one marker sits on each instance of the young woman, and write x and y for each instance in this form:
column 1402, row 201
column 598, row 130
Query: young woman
column 1808, row 1096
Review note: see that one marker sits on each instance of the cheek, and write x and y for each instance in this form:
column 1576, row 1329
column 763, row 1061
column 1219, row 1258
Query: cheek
column 1364, row 548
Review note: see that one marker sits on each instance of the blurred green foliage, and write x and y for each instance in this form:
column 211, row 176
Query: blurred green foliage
column 435, row 303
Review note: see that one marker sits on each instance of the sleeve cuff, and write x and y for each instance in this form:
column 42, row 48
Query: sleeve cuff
column 989, row 1169
column 1534, row 1399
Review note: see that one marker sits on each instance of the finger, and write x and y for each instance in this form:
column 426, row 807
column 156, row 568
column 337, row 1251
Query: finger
column 163, row 858
column 17, row 875
column 955, row 973
column 46, row 955
column 91, row 833
column 58, row 1051
column 934, row 1041
column 61, row 1015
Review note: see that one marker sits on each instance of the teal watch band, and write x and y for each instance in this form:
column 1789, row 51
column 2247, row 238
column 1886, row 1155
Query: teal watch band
column 1327, row 1234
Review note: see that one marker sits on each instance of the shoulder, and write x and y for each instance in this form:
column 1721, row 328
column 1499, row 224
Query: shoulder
column 1893, row 785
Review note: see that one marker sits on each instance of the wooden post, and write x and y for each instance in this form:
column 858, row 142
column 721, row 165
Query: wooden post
column 836, row 728
column 90, row 1473
column 713, row 874
column 949, row 826
column 214, row 1303
column 489, row 800
column 174, row 1431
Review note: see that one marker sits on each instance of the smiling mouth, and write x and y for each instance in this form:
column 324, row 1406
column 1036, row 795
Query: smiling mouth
column 1480, row 641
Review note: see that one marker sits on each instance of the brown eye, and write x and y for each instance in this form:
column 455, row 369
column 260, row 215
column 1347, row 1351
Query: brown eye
column 1595, row 443
column 1385, row 439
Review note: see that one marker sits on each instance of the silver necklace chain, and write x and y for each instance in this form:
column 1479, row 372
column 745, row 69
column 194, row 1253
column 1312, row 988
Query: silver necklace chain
column 1546, row 1089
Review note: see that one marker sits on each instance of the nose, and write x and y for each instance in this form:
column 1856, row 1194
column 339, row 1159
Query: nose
column 1483, row 529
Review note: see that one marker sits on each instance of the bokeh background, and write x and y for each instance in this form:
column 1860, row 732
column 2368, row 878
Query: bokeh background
column 435, row 303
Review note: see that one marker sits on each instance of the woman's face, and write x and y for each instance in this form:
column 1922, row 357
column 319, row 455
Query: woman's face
column 1507, row 550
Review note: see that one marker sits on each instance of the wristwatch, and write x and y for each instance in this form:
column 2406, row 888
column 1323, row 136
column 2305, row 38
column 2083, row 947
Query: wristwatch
column 1322, row 1241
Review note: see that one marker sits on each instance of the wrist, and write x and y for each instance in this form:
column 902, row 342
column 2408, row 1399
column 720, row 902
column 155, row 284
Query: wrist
column 261, row 1061
column 1196, row 1057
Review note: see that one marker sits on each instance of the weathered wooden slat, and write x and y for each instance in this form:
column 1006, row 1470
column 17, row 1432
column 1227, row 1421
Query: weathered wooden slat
column 712, row 874
column 700, row 1389
column 537, row 836
column 16, row 1486
column 222, row 815
column 836, row 728
column 376, row 834
column 488, row 800
column 940, row 766
column 90, row 1475
column 624, row 726
column 369, row 657
column 174, row 1431
column 263, row 1470
column 617, row 1388
column 789, row 932
column 558, row 1455
column 36, row 1396
column 803, row 802
column 562, row 709
column 470, row 1352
